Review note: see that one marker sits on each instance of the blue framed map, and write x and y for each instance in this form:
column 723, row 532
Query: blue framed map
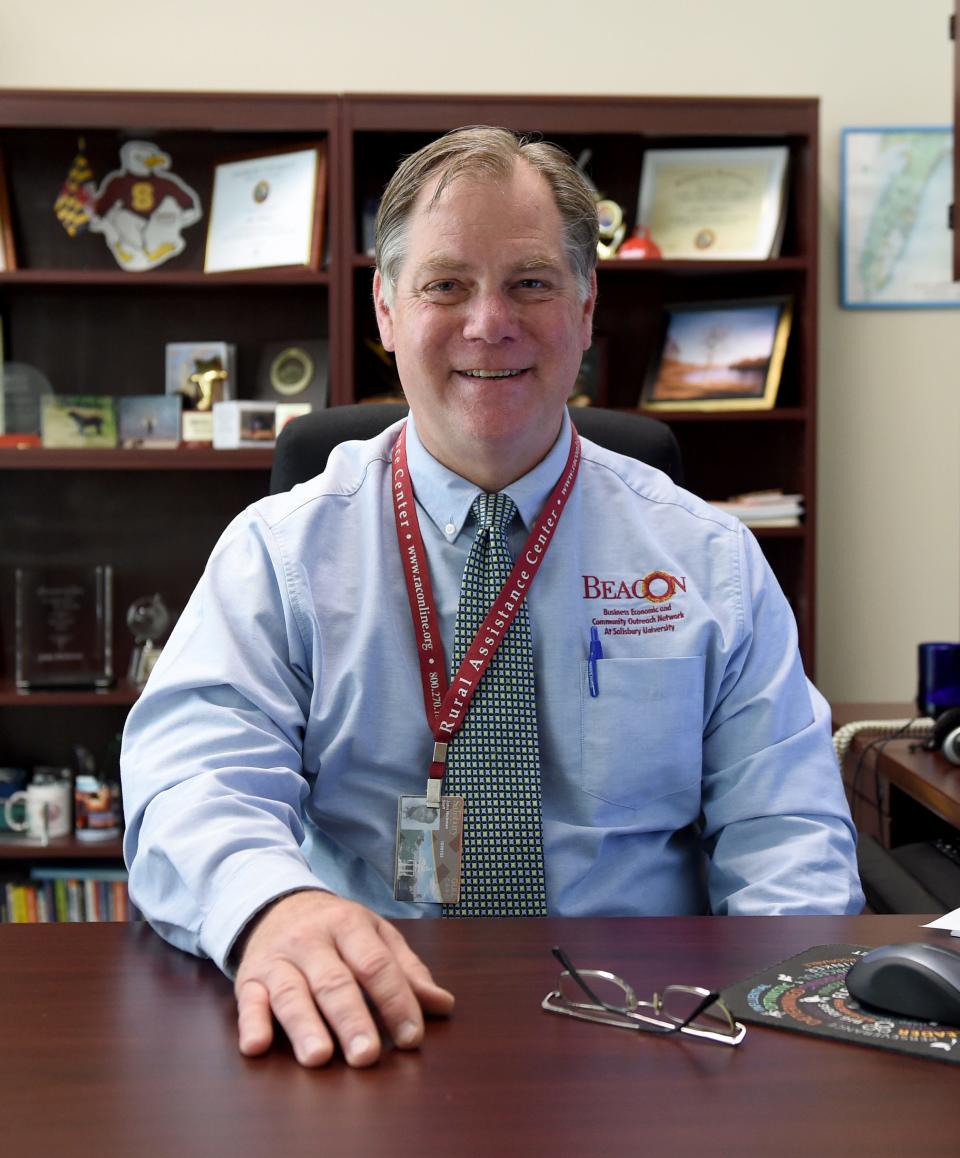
column 895, row 244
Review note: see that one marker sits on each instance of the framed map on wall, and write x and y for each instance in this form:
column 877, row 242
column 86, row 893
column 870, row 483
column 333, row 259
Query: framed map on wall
column 896, row 185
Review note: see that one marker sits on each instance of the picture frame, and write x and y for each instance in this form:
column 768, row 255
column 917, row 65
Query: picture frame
column 8, row 259
column 78, row 421
column 267, row 210
column 244, row 424
column 725, row 355
column 896, row 183
column 149, row 421
column 720, row 204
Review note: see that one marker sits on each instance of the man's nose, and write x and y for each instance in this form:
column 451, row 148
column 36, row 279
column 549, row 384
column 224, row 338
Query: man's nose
column 491, row 317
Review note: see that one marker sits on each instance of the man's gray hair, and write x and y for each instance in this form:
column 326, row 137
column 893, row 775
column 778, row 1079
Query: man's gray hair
column 487, row 151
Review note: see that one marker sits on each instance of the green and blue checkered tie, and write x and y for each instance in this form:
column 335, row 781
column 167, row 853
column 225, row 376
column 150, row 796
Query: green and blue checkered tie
column 494, row 760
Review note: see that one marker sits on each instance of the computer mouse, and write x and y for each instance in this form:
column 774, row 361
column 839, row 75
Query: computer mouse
column 913, row 979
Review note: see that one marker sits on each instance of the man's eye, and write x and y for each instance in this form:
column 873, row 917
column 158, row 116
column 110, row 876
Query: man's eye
column 533, row 283
column 441, row 287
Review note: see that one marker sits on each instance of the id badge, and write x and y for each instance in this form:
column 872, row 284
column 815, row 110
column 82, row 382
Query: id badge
column 429, row 850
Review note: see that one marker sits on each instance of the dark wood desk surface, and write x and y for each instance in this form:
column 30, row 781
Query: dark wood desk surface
column 118, row 1046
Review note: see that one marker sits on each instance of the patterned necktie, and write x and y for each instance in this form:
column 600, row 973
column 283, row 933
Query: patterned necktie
column 494, row 760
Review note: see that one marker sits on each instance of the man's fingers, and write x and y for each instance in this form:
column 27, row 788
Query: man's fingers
column 338, row 997
column 431, row 996
column 254, row 1019
column 313, row 960
column 378, row 972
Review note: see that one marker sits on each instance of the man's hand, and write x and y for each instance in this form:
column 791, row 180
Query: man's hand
column 309, row 959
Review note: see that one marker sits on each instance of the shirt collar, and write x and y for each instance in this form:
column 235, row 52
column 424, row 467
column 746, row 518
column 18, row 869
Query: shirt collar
column 447, row 498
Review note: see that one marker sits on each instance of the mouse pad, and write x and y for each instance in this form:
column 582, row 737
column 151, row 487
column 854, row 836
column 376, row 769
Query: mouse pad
column 808, row 993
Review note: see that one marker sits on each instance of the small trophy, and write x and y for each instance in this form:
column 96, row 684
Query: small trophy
column 147, row 618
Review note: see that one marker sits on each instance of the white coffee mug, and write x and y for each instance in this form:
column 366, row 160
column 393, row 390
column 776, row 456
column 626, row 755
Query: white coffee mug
column 44, row 808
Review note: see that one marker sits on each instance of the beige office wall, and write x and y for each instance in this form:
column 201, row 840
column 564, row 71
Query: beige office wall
column 889, row 536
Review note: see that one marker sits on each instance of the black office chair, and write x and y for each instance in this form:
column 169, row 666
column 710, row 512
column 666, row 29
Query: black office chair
column 304, row 444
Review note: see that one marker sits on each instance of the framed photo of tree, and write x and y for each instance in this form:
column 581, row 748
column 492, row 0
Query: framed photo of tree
column 719, row 356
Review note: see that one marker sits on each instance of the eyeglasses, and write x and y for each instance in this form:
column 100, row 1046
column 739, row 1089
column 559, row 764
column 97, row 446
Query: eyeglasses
column 686, row 1009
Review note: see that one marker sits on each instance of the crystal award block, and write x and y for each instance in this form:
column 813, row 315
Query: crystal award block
column 64, row 627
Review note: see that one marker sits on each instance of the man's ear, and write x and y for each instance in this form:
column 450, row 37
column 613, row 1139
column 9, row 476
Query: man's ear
column 384, row 317
column 588, row 307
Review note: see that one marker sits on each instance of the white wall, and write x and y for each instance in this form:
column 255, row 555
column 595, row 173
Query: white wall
column 889, row 537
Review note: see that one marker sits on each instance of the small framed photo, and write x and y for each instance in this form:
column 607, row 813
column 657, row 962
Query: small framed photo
column 267, row 210
column 719, row 356
column 202, row 373
column 239, row 425
column 149, row 421
column 7, row 254
column 78, row 421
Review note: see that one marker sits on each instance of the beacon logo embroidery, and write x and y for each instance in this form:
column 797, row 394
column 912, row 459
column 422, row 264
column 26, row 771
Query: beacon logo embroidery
column 644, row 604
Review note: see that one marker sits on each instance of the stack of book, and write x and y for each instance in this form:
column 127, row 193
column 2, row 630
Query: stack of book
column 765, row 508
column 70, row 893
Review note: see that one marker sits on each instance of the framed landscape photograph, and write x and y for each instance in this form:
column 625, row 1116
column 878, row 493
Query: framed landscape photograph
column 896, row 247
column 719, row 356
column 149, row 421
column 267, row 210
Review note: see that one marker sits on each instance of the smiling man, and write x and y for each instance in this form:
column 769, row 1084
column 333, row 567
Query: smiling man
column 389, row 696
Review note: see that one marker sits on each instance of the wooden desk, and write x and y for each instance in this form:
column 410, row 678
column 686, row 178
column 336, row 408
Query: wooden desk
column 115, row 1044
column 925, row 777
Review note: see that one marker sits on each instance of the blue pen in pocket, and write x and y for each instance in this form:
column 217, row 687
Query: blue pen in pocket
column 596, row 652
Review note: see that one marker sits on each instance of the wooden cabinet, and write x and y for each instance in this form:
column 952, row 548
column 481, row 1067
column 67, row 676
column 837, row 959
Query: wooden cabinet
column 92, row 328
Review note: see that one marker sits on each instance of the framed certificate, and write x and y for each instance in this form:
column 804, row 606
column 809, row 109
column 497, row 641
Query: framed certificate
column 714, row 204
column 7, row 258
column 267, row 210
column 719, row 356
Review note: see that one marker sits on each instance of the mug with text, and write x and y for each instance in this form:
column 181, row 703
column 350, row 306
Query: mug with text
column 42, row 809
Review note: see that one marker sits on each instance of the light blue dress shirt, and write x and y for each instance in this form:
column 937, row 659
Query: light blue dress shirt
column 285, row 717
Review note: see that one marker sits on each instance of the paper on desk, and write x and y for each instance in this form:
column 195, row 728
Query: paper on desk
column 949, row 921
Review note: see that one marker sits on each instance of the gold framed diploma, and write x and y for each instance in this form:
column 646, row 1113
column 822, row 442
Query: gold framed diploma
column 267, row 210
column 715, row 204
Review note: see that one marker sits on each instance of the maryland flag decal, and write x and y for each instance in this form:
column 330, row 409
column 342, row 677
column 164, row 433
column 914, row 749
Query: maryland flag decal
column 72, row 206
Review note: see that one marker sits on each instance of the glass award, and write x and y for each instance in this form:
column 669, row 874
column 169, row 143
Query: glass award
column 148, row 619
column 64, row 627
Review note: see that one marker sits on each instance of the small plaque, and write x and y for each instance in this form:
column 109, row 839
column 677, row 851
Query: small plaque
column 64, row 627
column 294, row 371
column 197, row 428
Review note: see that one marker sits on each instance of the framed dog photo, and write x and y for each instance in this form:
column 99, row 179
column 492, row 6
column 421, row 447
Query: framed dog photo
column 149, row 421
column 719, row 356
column 78, row 421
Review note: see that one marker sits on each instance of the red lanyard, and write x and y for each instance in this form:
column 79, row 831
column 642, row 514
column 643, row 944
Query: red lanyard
column 446, row 704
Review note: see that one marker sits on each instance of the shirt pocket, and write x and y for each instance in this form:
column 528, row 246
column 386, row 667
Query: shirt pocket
column 641, row 737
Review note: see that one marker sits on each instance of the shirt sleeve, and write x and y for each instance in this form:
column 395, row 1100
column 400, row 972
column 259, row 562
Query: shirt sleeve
column 211, row 757
column 775, row 818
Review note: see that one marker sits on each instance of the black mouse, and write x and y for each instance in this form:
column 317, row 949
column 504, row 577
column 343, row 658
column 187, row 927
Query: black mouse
column 914, row 979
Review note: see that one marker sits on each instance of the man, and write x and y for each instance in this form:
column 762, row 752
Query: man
column 681, row 766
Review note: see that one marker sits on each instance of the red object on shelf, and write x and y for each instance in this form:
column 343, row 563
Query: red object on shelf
column 639, row 244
